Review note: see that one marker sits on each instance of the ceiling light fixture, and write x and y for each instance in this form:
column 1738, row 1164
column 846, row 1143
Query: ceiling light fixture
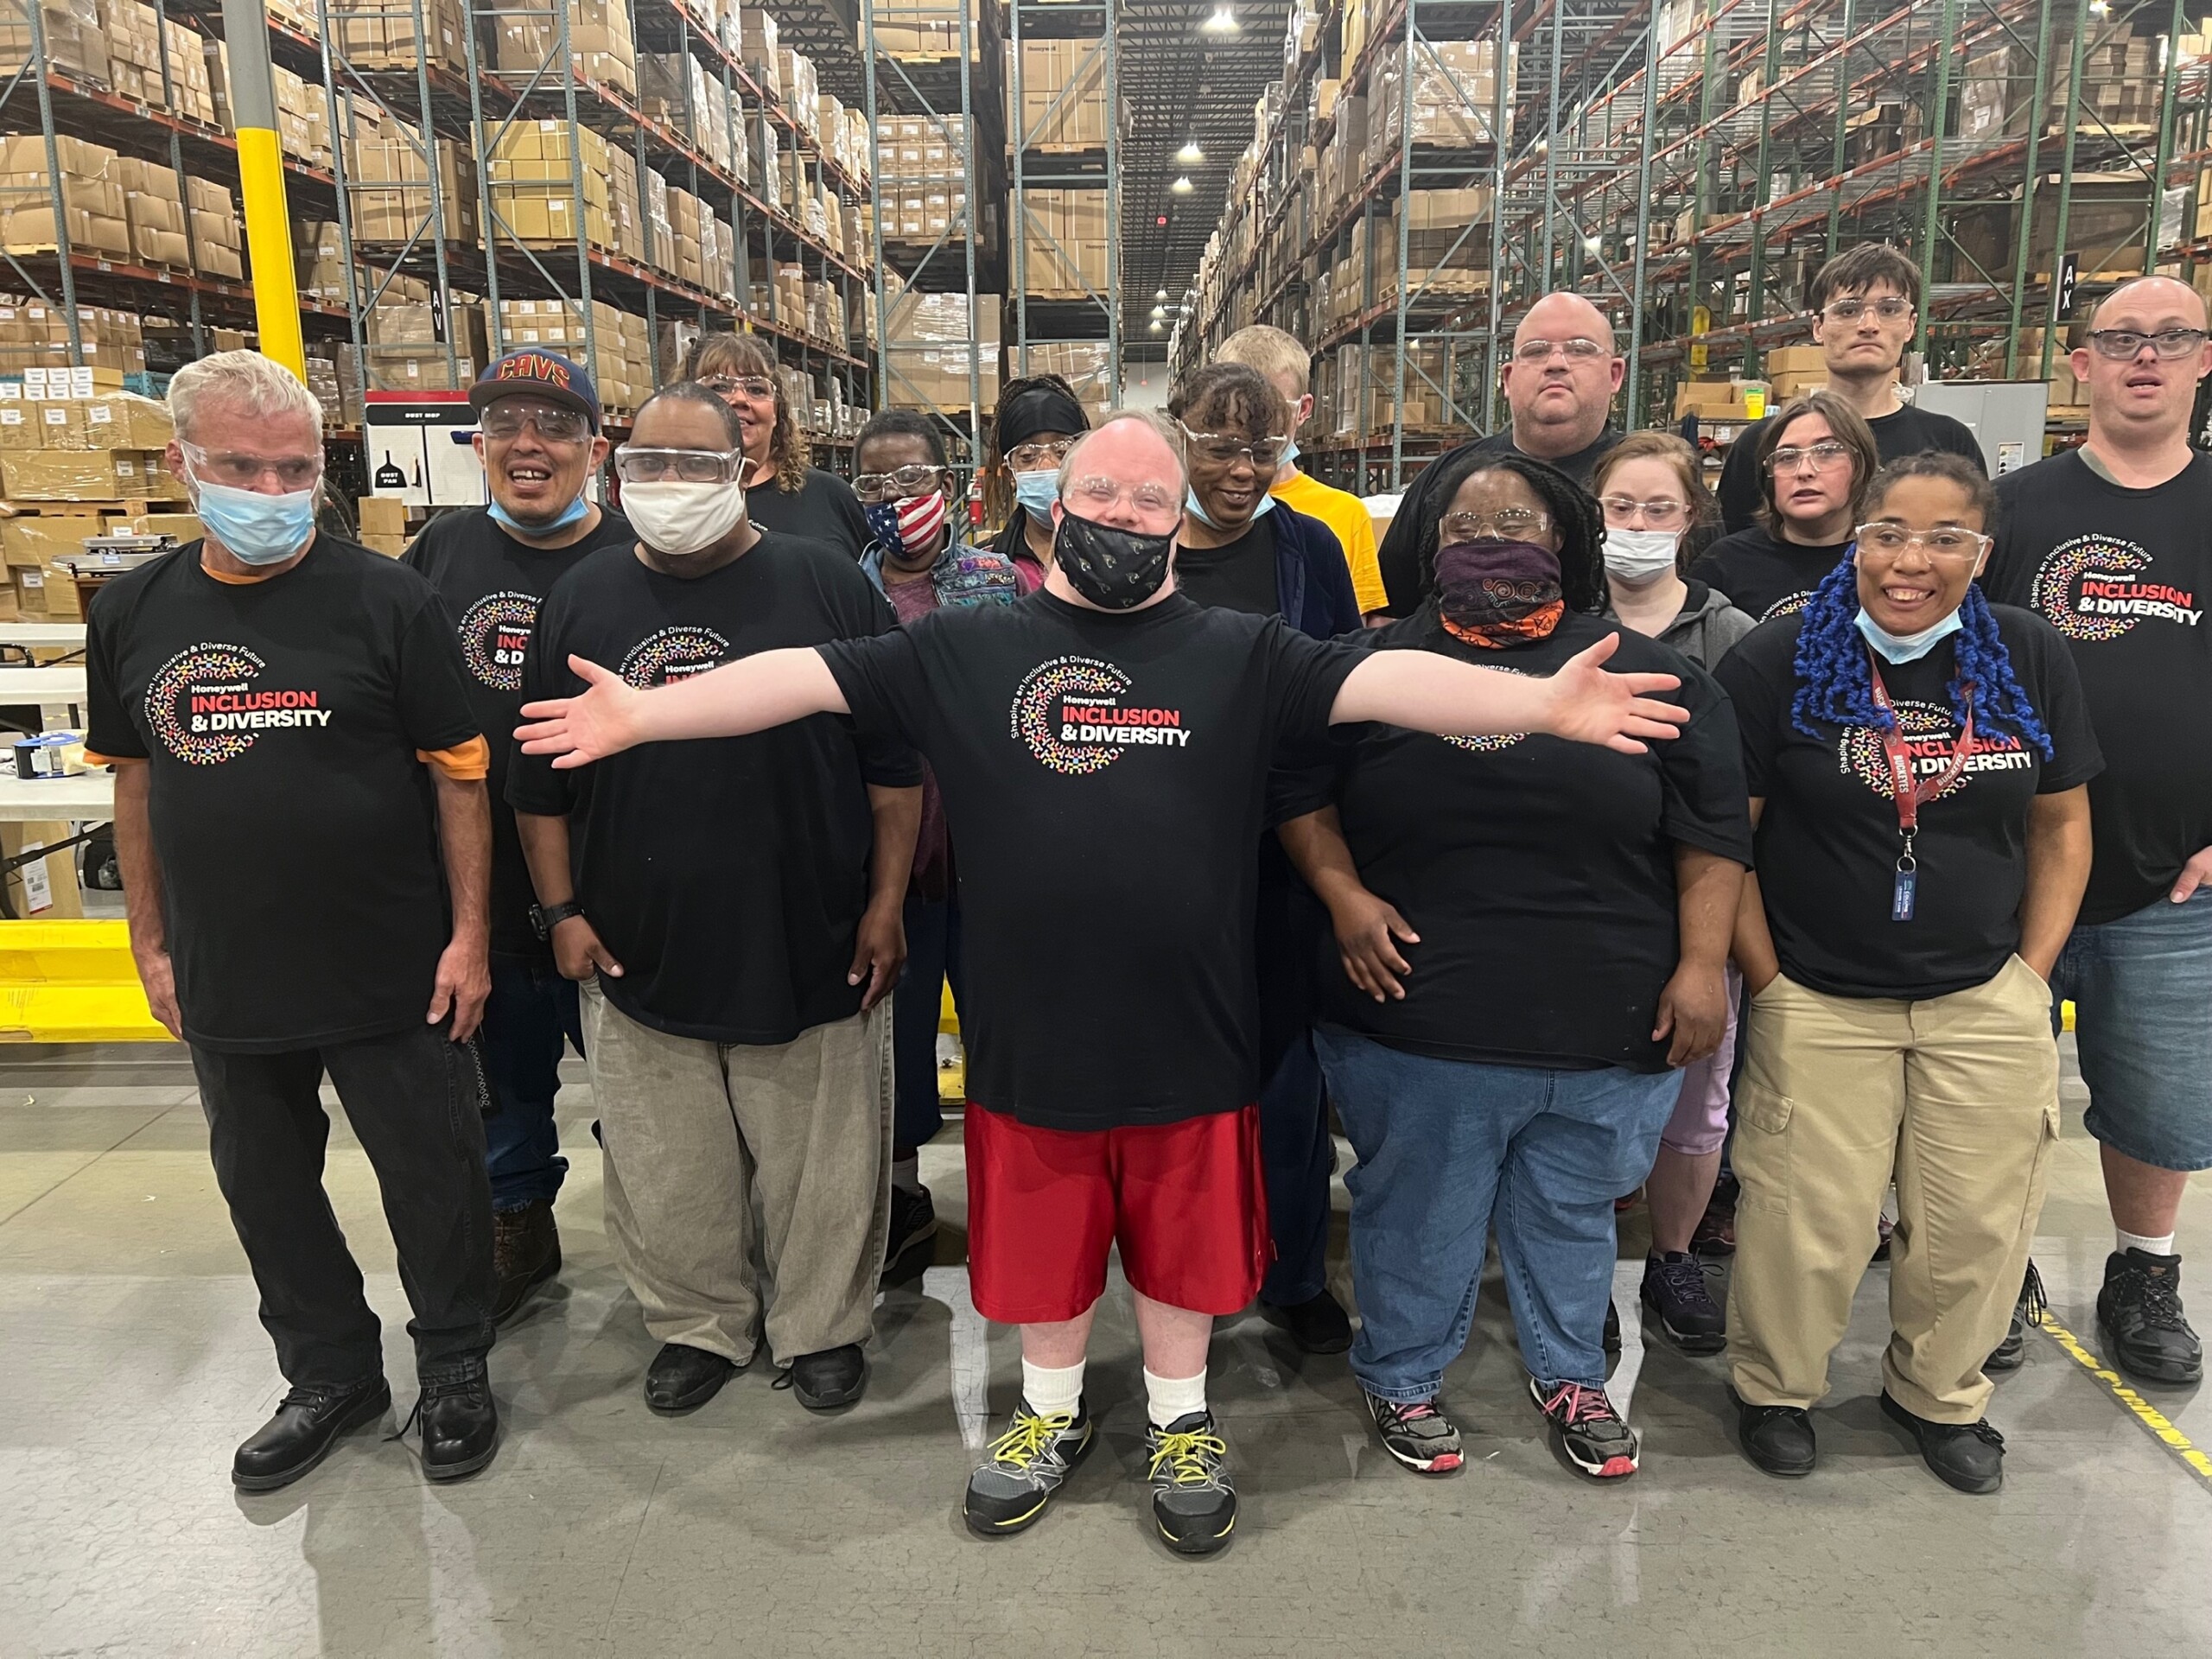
column 1183, row 186
column 1155, row 324
column 1223, row 22
column 1191, row 154
column 1161, row 295
column 1158, row 310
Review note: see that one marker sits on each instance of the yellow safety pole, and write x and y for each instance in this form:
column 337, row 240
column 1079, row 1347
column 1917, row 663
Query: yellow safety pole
column 260, row 185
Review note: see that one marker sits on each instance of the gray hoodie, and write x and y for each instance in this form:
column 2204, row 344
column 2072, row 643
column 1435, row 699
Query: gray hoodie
column 1707, row 628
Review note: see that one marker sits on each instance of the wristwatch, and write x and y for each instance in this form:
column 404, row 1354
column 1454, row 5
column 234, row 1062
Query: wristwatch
column 545, row 917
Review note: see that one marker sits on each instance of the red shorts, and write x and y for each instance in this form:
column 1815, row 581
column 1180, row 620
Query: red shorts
column 1187, row 1203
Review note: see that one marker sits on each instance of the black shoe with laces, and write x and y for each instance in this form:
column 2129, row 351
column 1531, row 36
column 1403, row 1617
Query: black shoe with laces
column 2028, row 1310
column 1317, row 1326
column 833, row 1377
column 2138, row 1310
column 913, row 1219
column 460, row 1422
column 1675, row 1292
column 306, row 1425
column 683, row 1378
column 1778, row 1439
column 1967, row 1456
column 526, row 1253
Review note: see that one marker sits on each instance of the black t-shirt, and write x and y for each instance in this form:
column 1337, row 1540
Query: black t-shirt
column 825, row 510
column 2123, row 574
column 1765, row 577
column 1828, row 840
column 1904, row 431
column 295, row 826
column 1400, row 554
column 491, row 584
column 726, row 875
column 1116, row 763
column 1238, row 575
column 1539, row 872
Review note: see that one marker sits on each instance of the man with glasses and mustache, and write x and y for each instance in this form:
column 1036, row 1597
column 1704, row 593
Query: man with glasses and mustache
column 1559, row 384
column 538, row 439
column 1113, row 741
column 1865, row 305
column 2112, row 544
column 731, row 909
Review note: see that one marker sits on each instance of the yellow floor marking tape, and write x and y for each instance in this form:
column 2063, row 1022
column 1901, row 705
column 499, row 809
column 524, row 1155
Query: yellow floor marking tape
column 2149, row 1416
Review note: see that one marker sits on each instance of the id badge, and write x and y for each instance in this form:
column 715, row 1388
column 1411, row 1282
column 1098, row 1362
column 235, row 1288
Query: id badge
column 1901, row 896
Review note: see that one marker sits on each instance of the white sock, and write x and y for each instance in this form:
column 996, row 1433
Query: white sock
column 1168, row 1398
column 907, row 1173
column 2148, row 1246
column 1050, row 1392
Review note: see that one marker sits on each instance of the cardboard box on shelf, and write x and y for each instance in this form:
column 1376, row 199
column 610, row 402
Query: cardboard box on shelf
column 1062, row 94
column 45, row 888
column 87, row 475
column 1779, row 361
column 1065, row 242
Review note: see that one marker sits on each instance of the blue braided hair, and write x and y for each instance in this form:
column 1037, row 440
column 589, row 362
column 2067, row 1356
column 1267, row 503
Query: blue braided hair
column 1833, row 684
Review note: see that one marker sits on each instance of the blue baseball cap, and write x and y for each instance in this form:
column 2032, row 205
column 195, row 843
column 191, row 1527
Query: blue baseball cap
column 540, row 374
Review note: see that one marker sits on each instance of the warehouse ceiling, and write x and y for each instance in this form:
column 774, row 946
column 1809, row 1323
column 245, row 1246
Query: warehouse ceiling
column 1180, row 81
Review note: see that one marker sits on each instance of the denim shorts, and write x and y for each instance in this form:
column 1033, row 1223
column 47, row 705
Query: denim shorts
column 2142, row 993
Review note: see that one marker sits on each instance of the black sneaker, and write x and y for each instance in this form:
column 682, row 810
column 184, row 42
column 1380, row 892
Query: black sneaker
column 833, row 1377
column 1418, row 1435
column 1778, row 1439
column 913, row 1219
column 1596, row 1439
column 1193, row 1499
column 2138, row 1310
column 1011, row 1487
column 1612, row 1338
column 1317, row 1326
column 1967, row 1456
column 308, row 1423
column 2029, row 1310
column 1675, row 1292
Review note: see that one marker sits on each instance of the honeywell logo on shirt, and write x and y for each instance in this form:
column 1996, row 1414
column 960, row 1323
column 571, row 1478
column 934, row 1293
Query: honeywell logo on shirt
column 494, row 633
column 207, row 704
column 1931, row 740
column 2097, row 587
column 1074, row 713
column 675, row 653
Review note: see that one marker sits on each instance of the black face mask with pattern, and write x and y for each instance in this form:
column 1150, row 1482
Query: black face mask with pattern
column 1115, row 570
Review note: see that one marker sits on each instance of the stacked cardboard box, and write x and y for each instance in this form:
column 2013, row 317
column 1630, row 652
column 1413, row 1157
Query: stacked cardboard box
column 620, row 365
column 133, row 39
column 796, row 85
column 381, row 34
column 153, row 206
column 757, row 47
column 1062, row 94
column 932, row 347
column 921, row 32
column 1366, row 382
column 1066, row 240
column 1792, row 370
column 79, row 438
column 1455, row 93
column 531, row 172
column 601, row 47
column 76, row 45
column 217, row 238
column 1084, row 365
column 404, row 351
column 389, row 177
column 92, row 197
column 676, row 89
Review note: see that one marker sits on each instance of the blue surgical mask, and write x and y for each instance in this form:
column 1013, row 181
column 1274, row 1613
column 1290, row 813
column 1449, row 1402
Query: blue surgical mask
column 1289, row 453
column 507, row 521
column 254, row 528
column 1191, row 501
column 1907, row 647
column 1037, row 492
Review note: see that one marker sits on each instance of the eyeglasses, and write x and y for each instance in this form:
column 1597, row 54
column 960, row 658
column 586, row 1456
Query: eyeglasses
column 1035, row 457
column 242, row 472
column 1224, row 449
column 895, row 486
column 1506, row 524
column 1889, row 309
column 1945, row 542
column 636, row 465
column 1579, row 350
column 1100, row 495
column 2121, row 344
column 1819, row 458
column 753, row 385
column 1660, row 515
column 506, row 419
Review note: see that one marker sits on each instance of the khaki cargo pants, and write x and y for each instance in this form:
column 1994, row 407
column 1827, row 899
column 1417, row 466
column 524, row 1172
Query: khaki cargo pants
column 738, row 1177
column 1955, row 1098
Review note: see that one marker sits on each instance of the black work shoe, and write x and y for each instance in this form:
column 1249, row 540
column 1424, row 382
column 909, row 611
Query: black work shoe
column 683, row 1378
column 1675, row 1292
column 833, row 1377
column 2028, row 1310
column 913, row 1219
column 2138, row 1310
column 1317, row 1326
column 460, row 1422
column 1193, row 1499
column 1968, row 1456
column 1612, row 1338
column 1778, row 1439
column 306, row 1425
column 526, row 1253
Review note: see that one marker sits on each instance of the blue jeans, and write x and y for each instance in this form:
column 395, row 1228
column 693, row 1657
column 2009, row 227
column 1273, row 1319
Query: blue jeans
column 1447, row 1150
column 530, row 1011
column 2142, row 993
column 1296, row 1155
column 932, row 958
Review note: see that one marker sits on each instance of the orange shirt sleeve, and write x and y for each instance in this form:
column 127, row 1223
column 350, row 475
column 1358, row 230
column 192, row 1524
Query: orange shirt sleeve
column 468, row 763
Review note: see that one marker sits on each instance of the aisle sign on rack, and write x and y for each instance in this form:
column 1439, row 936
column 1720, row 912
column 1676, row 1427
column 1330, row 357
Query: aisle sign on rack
column 419, row 450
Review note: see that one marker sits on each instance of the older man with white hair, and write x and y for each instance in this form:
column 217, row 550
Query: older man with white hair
column 306, row 845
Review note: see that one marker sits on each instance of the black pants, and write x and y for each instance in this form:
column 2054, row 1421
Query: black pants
column 411, row 1098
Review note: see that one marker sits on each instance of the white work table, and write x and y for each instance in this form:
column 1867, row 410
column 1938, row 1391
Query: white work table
column 88, row 797
column 49, row 635
column 65, row 683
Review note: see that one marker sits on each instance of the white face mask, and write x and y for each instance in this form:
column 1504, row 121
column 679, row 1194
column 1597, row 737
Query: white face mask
column 1640, row 554
column 677, row 518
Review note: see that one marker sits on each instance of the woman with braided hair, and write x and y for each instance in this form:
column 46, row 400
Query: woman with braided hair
column 1918, row 761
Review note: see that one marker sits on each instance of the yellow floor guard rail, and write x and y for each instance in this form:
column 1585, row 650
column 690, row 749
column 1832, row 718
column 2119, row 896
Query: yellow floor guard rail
column 72, row 982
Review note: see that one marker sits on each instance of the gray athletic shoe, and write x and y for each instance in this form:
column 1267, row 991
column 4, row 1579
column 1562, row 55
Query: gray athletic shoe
column 1026, row 1465
column 1193, row 1499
